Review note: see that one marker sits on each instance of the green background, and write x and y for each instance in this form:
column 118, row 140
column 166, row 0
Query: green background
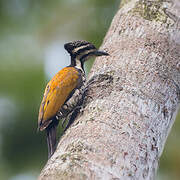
column 32, row 34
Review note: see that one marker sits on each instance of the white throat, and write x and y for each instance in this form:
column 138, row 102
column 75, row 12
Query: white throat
column 78, row 64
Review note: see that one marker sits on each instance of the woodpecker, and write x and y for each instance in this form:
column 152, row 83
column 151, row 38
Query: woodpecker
column 64, row 90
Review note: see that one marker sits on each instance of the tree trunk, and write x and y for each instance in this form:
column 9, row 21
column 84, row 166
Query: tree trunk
column 132, row 101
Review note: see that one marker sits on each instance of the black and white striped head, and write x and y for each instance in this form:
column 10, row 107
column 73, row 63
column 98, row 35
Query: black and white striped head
column 82, row 51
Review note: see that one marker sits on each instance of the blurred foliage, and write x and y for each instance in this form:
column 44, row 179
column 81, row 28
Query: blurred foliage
column 170, row 159
column 27, row 28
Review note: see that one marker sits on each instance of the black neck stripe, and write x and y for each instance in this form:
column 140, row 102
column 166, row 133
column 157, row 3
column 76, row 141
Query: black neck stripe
column 74, row 63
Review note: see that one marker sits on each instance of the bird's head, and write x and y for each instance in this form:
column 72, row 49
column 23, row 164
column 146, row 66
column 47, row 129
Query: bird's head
column 82, row 51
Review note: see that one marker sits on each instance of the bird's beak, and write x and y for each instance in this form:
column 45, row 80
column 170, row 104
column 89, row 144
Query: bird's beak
column 100, row 53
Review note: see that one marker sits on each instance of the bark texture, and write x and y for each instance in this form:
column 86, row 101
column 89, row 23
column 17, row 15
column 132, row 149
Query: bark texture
column 132, row 101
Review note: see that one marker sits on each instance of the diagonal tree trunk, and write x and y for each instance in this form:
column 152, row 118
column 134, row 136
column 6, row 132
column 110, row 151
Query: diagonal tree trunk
column 135, row 94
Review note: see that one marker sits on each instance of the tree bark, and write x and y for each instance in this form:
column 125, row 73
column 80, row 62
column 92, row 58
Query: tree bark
column 133, row 98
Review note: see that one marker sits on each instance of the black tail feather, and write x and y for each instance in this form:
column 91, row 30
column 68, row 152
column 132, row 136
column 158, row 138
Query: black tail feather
column 51, row 140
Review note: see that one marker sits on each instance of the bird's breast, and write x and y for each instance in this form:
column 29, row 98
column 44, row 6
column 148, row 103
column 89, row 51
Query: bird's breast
column 74, row 98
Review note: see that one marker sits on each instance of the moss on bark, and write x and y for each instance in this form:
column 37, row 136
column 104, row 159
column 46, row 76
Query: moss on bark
column 151, row 10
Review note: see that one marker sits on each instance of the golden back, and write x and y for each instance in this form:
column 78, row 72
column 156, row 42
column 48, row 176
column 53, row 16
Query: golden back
column 56, row 93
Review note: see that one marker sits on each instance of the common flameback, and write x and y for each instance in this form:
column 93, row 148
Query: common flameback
column 64, row 90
